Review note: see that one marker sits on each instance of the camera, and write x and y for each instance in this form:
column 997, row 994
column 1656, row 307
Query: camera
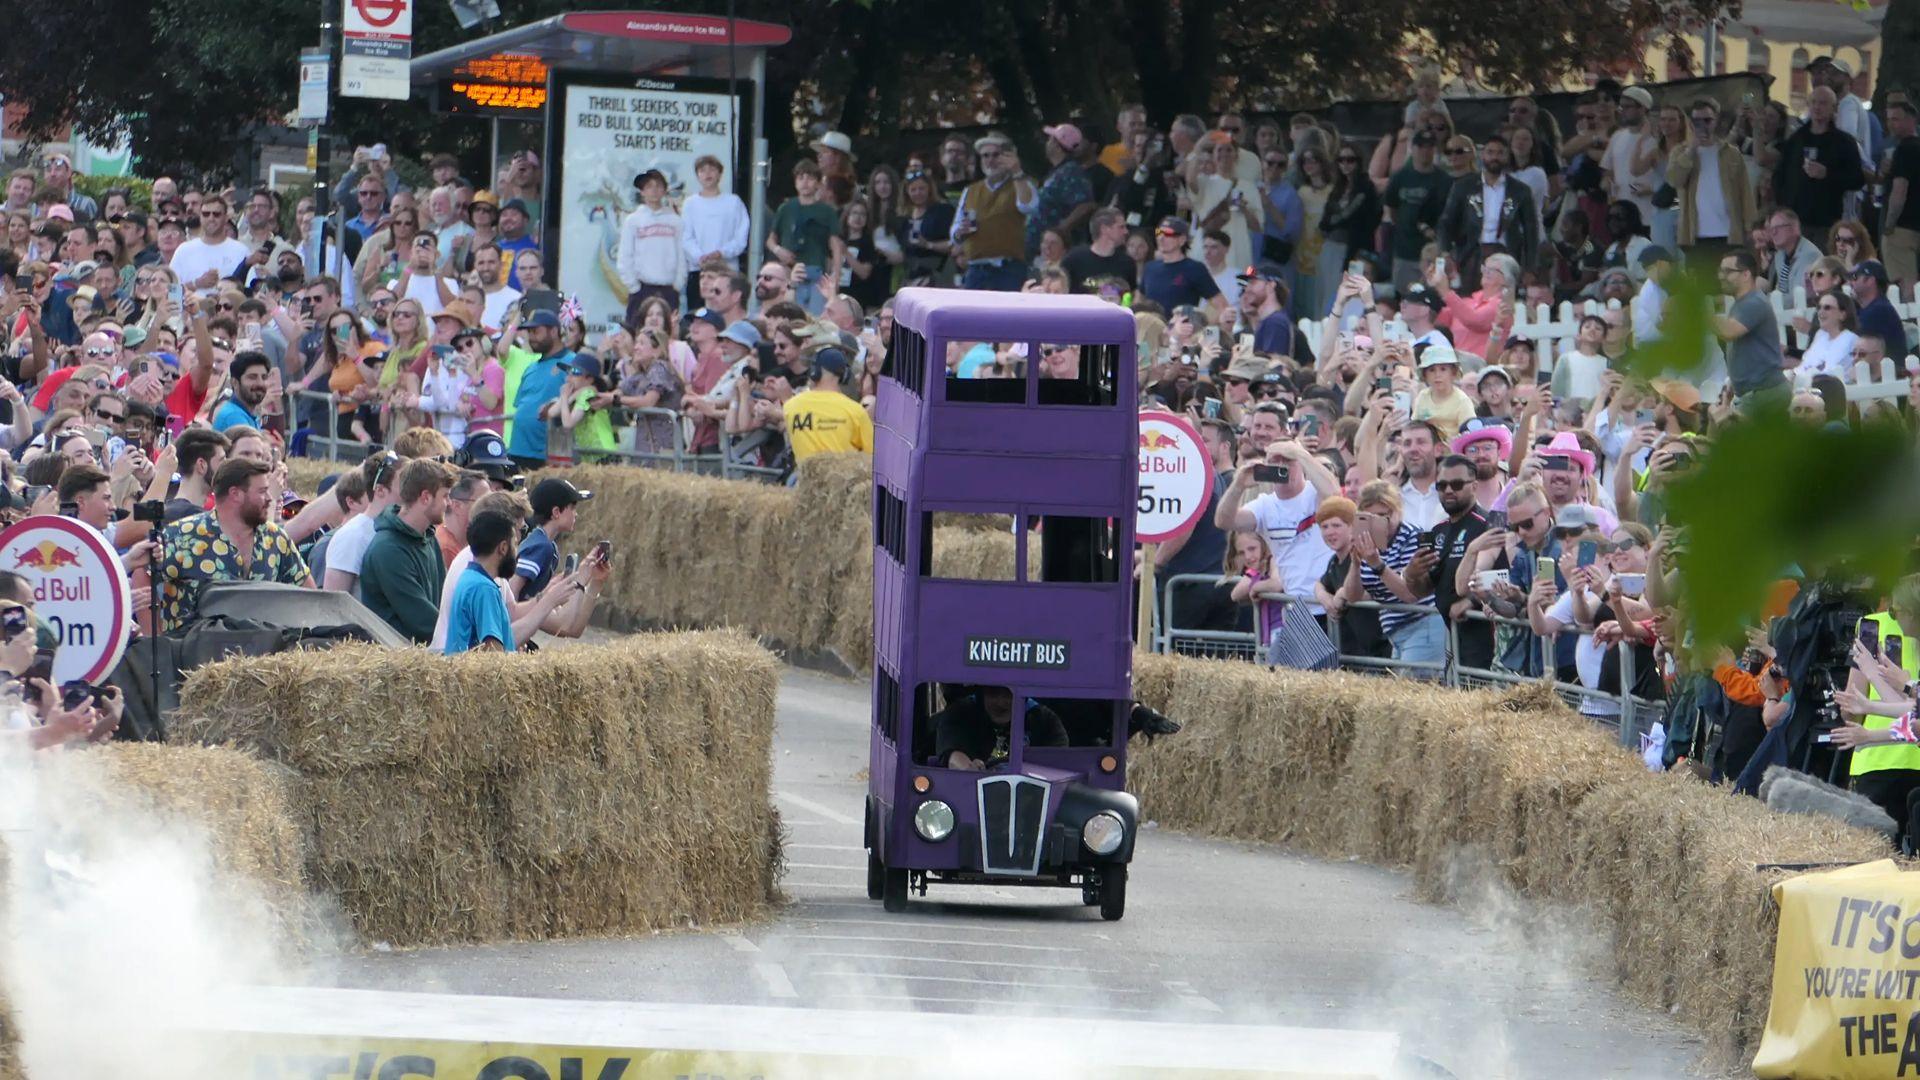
column 150, row 510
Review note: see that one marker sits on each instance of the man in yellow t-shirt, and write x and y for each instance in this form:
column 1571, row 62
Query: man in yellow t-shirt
column 822, row 419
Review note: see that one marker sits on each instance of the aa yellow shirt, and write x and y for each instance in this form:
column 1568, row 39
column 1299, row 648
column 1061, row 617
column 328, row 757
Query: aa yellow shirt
column 826, row 421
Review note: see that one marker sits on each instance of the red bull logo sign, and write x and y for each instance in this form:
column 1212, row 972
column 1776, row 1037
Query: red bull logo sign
column 80, row 591
column 1176, row 478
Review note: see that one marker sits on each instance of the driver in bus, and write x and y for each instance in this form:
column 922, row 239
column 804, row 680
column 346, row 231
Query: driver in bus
column 973, row 732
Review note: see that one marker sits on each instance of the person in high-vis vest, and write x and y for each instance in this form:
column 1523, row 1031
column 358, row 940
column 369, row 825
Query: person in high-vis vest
column 1886, row 760
column 990, row 224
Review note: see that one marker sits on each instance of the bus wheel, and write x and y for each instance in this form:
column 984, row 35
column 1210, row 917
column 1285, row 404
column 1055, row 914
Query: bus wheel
column 876, row 876
column 1113, row 892
column 894, row 889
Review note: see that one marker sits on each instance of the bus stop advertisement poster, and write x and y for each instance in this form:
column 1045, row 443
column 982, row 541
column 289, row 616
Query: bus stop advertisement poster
column 605, row 130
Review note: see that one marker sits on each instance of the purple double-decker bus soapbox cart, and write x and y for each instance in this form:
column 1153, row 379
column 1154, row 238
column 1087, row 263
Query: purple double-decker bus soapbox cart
column 1000, row 707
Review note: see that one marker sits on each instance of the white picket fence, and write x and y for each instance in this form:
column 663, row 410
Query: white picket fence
column 1553, row 331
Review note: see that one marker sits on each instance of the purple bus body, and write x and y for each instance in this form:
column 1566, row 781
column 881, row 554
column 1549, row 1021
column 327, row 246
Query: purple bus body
column 1041, row 454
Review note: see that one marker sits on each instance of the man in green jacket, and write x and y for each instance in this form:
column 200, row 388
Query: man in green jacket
column 402, row 574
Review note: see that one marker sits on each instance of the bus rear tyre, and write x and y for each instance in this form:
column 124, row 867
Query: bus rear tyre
column 894, row 889
column 876, row 876
column 1113, row 892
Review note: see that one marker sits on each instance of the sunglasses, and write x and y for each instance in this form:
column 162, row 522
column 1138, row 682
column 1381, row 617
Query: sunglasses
column 384, row 301
column 224, row 305
column 99, row 351
column 1523, row 523
column 1458, row 151
column 1348, row 159
column 14, row 621
column 1452, row 485
column 116, row 417
column 221, row 343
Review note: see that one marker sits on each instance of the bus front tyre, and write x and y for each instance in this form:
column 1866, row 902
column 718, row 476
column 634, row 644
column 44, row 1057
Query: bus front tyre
column 1113, row 892
column 876, row 876
column 894, row 889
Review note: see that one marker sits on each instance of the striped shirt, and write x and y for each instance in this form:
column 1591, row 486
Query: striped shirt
column 1399, row 555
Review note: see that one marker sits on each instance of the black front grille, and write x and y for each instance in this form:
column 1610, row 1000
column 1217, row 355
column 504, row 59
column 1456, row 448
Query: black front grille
column 1013, row 815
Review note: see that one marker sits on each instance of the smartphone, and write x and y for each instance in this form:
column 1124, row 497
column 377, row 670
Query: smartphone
column 1545, row 568
column 1424, row 544
column 1440, row 264
column 1357, row 268
column 1211, row 409
column 573, row 563
column 601, row 552
column 74, row 694
column 1212, row 335
column 1384, row 382
column 23, row 282
column 1870, row 636
column 176, row 294
column 1496, row 519
column 1543, row 378
column 1589, row 552
column 1633, row 584
column 1896, row 649
column 1270, row 474
column 1243, row 340
column 1310, row 426
column 1643, row 418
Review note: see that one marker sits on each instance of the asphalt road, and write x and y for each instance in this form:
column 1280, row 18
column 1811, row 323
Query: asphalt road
column 1214, row 933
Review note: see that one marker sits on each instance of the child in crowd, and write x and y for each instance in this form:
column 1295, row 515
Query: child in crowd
column 1253, row 561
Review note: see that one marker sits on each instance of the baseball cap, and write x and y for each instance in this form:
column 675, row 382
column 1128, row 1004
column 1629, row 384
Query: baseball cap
column 1067, row 135
column 1420, row 293
column 1495, row 369
column 742, row 333
column 514, row 204
column 554, row 494
column 1575, row 516
column 1682, row 395
column 1264, row 271
column 1654, row 253
column 992, row 138
column 585, row 364
column 84, row 268
column 135, row 336
column 1638, row 95
column 1872, row 268
column 711, row 318
column 832, row 360
column 541, row 317
column 640, row 180
column 1424, row 138
column 1173, row 225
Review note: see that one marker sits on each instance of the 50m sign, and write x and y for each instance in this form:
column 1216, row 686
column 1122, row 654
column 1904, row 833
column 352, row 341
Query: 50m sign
column 1176, row 478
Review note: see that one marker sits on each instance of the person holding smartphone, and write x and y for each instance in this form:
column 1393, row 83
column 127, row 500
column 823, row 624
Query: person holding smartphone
column 1284, row 512
column 1879, row 695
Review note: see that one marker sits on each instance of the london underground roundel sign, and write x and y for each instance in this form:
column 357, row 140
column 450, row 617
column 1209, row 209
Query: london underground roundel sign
column 1176, row 478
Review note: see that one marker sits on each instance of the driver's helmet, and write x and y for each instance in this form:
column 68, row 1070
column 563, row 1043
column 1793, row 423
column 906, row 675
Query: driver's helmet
column 486, row 452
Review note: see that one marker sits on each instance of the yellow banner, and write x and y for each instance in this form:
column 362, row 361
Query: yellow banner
column 1846, row 976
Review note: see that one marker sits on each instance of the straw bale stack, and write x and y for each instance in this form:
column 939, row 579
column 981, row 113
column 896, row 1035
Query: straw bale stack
column 304, row 474
column 602, row 789
column 1405, row 774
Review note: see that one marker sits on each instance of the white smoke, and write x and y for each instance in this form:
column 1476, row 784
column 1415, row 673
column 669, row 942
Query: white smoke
column 117, row 924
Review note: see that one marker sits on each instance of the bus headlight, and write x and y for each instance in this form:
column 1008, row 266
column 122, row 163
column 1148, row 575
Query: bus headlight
column 1103, row 833
column 933, row 820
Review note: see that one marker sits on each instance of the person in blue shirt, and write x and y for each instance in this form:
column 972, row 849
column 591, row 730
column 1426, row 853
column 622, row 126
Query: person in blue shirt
column 251, row 375
column 540, row 385
column 515, row 237
column 556, row 511
column 477, row 615
column 1172, row 278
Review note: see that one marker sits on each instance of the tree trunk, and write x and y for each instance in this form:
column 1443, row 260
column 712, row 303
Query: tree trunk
column 1147, row 33
column 866, row 25
column 1041, row 61
column 1199, row 56
column 1899, row 52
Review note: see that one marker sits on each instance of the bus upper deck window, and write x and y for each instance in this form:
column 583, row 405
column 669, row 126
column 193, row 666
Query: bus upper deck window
column 1079, row 374
column 986, row 372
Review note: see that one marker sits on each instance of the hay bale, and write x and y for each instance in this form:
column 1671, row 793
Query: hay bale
column 304, row 474
column 594, row 789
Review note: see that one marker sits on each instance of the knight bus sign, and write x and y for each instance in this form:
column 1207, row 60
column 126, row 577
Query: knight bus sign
column 80, row 590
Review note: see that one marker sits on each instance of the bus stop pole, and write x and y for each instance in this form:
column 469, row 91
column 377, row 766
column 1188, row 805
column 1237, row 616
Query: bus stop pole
column 1144, row 637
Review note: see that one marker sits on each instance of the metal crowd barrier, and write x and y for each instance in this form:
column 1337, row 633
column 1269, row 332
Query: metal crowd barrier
column 1633, row 719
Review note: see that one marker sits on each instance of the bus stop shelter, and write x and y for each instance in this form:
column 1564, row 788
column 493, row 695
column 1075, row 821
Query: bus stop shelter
column 613, row 94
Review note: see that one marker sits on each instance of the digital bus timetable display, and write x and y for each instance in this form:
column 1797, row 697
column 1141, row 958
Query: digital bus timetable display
column 1016, row 653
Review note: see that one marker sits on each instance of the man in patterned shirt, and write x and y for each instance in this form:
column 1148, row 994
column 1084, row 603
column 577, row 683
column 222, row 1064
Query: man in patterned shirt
column 235, row 541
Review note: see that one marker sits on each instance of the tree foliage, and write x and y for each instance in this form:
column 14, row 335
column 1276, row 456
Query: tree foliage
column 190, row 75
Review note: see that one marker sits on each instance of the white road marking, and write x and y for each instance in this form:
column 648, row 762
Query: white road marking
column 836, row 886
column 827, row 847
column 776, row 979
column 740, row 943
column 949, row 960
column 809, row 805
column 980, row 982
column 934, row 941
column 900, row 921
column 981, row 1001
column 816, row 865
column 1192, row 998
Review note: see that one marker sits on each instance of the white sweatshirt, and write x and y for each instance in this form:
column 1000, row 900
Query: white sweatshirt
column 650, row 252
column 719, row 223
